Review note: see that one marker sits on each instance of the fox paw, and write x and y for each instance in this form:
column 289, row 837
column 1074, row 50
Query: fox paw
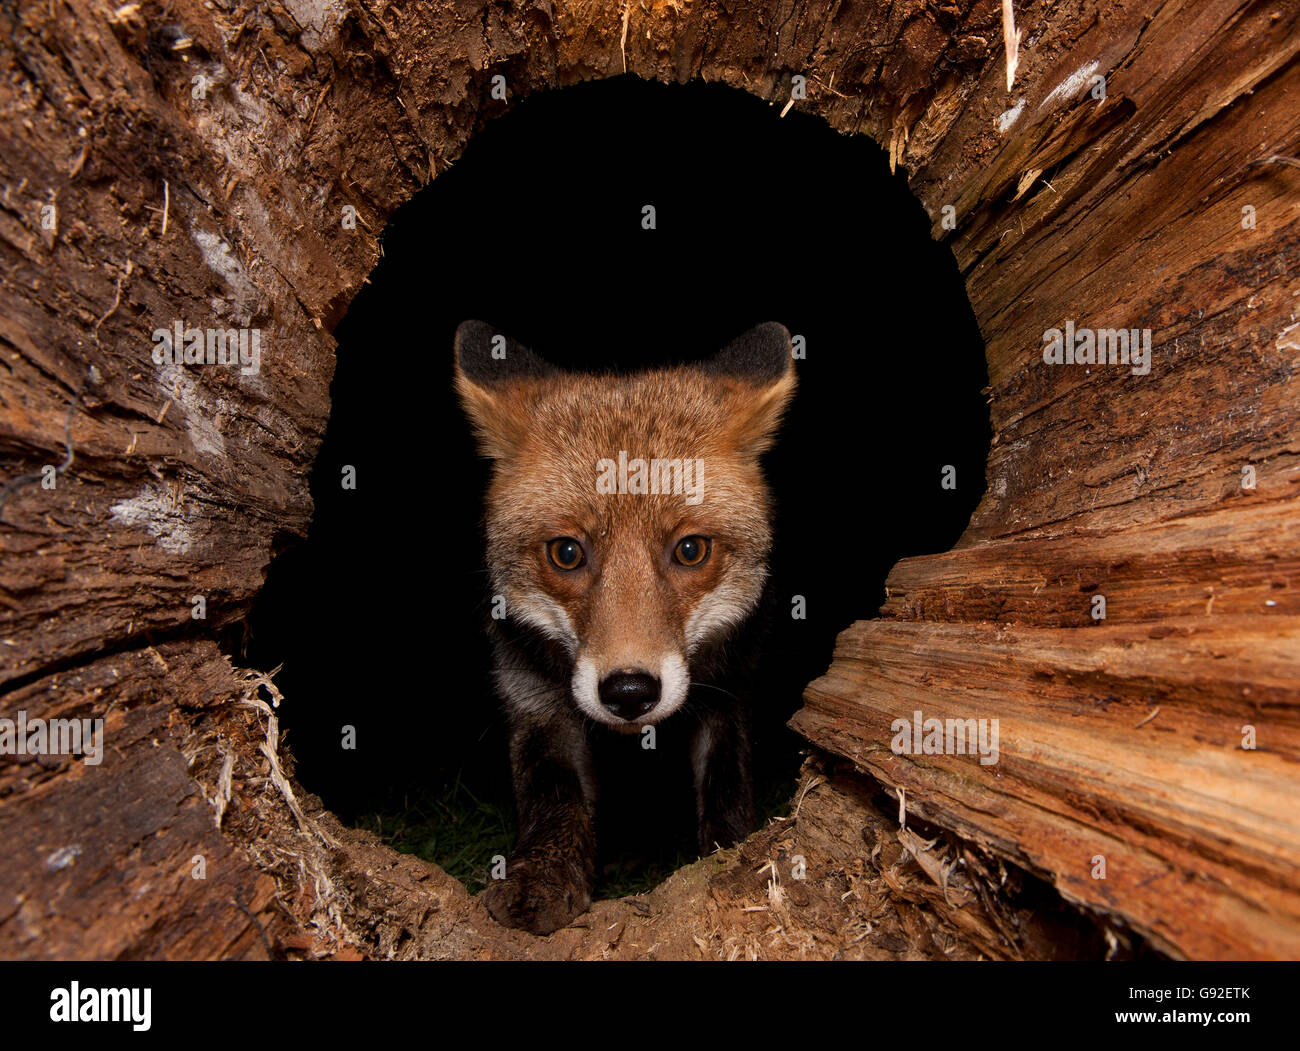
column 723, row 832
column 540, row 895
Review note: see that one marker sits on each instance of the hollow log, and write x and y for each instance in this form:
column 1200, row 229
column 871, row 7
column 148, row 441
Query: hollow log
column 191, row 161
column 1119, row 743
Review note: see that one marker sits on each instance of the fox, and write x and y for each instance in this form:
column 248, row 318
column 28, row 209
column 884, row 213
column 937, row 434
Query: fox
column 628, row 528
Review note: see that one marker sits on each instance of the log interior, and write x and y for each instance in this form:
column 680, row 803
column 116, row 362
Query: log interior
column 198, row 157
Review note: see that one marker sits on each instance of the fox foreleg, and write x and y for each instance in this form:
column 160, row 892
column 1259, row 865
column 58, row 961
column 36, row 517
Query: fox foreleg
column 551, row 871
column 724, row 788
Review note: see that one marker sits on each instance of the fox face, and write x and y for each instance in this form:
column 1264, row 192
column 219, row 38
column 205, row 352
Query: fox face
column 628, row 532
column 628, row 523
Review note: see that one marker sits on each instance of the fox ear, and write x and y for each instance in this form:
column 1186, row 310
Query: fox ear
column 759, row 366
column 493, row 375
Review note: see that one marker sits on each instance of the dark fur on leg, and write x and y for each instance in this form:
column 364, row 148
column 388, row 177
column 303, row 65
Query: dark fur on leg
column 551, row 871
column 724, row 785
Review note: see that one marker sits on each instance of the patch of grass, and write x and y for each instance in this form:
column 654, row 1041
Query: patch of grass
column 628, row 877
column 460, row 832
column 453, row 828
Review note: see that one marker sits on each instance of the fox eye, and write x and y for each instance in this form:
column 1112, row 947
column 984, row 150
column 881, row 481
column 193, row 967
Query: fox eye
column 692, row 551
column 565, row 553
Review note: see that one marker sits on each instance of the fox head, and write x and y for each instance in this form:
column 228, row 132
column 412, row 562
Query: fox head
column 628, row 522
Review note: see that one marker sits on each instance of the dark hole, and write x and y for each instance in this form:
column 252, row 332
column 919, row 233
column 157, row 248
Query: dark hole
column 378, row 617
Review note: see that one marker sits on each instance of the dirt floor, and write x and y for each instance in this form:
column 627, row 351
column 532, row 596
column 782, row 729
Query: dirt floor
column 796, row 889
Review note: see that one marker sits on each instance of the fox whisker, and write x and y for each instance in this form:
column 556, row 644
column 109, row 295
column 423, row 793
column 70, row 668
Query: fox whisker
column 711, row 686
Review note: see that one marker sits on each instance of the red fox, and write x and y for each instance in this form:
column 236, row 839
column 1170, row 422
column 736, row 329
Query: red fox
column 628, row 531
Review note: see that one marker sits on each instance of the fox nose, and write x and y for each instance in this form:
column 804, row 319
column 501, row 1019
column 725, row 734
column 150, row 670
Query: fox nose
column 629, row 694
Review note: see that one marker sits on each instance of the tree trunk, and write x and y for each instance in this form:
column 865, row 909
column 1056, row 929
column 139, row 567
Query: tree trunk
column 154, row 165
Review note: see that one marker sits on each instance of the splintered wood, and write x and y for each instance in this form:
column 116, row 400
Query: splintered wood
column 1125, row 602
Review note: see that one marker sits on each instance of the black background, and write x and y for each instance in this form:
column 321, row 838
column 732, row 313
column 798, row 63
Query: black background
column 378, row 618
column 778, row 1002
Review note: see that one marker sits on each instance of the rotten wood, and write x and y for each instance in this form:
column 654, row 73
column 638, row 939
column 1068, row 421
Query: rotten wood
column 1163, row 736
column 130, row 191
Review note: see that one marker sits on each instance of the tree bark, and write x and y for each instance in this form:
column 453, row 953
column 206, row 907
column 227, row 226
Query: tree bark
column 131, row 190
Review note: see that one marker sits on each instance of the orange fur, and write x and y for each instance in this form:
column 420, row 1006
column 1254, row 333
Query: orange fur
column 546, row 435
